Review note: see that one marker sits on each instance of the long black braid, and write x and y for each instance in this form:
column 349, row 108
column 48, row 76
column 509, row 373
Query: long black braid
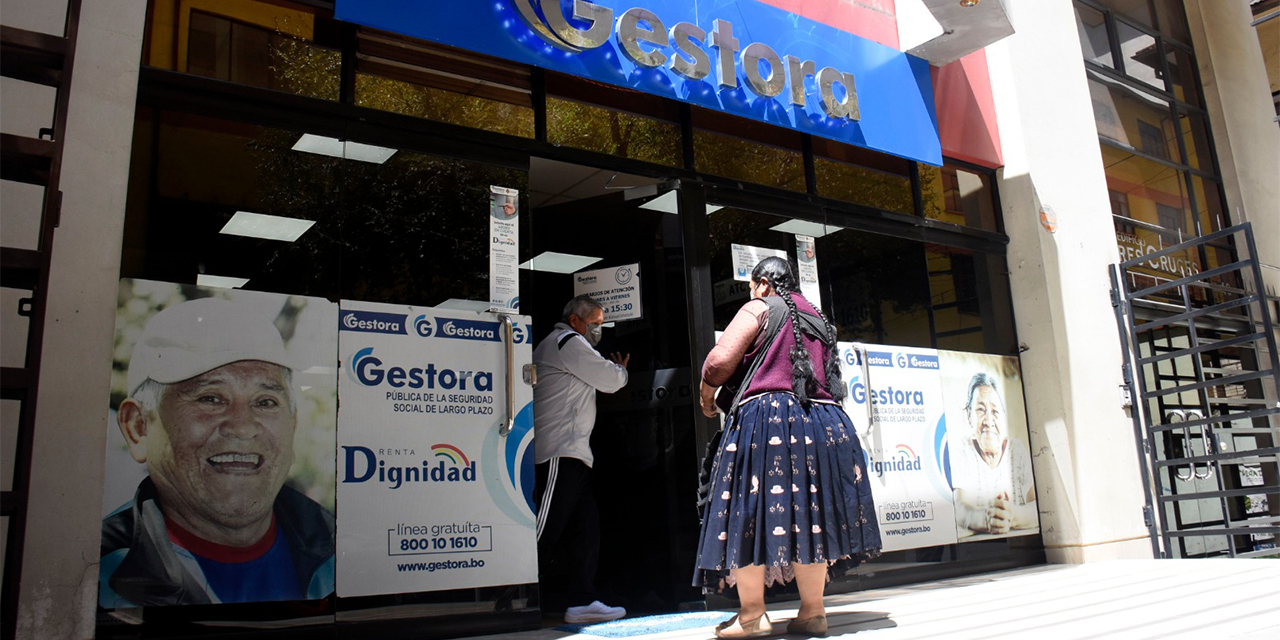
column 804, row 380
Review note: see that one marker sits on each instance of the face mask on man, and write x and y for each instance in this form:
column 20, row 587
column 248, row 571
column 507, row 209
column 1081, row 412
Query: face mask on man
column 594, row 332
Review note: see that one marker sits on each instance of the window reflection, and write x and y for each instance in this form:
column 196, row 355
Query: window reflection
column 966, row 290
column 958, row 196
column 874, row 288
column 396, row 96
column 611, row 131
column 1092, row 27
column 1141, row 57
column 412, row 229
column 408, row 76
column 1147, row 186
column 764, row 154
column 271, row 45
column 1182, row 74
column 863, row 177
column 1208, row 201
column 1133, row 118
column 1195, row 136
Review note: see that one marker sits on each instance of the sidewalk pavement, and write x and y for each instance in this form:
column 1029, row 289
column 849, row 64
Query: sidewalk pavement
column 1205, row 599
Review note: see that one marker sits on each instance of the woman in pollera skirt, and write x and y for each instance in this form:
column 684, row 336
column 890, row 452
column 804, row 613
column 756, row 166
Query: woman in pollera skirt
column 788, row 494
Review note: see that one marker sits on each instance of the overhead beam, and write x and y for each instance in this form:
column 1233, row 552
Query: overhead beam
column 965, row 29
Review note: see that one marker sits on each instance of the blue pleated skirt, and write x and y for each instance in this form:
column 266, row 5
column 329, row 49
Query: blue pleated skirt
column 788, row 485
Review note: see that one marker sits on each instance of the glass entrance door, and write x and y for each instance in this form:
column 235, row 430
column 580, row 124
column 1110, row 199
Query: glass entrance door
column 615, row 235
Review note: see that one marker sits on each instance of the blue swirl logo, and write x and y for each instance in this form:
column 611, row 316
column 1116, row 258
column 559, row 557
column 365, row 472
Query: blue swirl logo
column 423, row 326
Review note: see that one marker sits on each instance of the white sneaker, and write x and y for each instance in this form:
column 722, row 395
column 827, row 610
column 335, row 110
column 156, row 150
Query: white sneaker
column 595, row 612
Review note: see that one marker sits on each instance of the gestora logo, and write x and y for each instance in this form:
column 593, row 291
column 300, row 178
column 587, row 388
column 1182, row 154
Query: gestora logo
column 459, row 329
column 886, row 396
column 644, row 39
column 447, row 464
column 372, row 322
column 423, row 326
column 369, row 370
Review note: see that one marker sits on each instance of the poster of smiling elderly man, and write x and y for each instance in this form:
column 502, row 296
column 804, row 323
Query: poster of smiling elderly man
column 220, row 461
column 989, row 450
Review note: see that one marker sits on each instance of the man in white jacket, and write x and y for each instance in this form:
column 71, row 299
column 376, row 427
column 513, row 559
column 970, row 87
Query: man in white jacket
column 570, row 372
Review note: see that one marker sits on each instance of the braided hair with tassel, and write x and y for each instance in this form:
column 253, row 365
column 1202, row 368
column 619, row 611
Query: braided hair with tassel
column 804, row 380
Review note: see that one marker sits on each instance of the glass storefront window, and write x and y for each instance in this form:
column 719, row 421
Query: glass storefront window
column 1140, row 54
column 1208, row 203
column 879, row 287
column 1195, row 136
column 618, row 133
column 862, row 177
column 191, row 174
column 969, row 300
column 1165, row 16
column 1171, row 19
column 763, row 155
column 1094, row 39
column 1155, row 193
column 958, row 196
column 1182, row 74
column 1133, row 118
column 386, row 94
column 271, row 45
column 954, row 297
column 415, row 78
column 874, row 288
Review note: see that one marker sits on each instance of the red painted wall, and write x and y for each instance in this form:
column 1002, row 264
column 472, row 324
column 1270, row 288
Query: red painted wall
column 874, row 20
column 967, row 111
column 961, row 90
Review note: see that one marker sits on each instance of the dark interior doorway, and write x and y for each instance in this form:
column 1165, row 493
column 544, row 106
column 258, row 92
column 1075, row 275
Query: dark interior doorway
column 645, row 467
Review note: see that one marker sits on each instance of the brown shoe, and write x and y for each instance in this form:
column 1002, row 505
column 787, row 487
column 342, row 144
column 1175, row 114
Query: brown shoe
column 815, row 626
column 735, row 628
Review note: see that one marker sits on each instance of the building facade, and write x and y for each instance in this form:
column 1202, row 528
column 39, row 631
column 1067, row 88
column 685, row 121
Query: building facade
column 1021, row 165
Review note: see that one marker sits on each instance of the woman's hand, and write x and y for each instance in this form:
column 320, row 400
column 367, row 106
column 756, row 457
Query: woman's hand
column 707, row 398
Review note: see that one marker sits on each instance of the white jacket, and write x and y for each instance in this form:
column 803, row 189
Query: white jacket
column 570, row 371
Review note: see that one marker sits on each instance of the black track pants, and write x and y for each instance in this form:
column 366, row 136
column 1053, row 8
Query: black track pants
column 568, row 524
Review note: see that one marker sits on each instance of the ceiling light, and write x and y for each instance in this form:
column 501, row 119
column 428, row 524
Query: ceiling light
column 805, row 228
column 553, row 262
column 311, row 143
column 668, row 203
column 220, row 282
column 261, row 225
column 969, row 3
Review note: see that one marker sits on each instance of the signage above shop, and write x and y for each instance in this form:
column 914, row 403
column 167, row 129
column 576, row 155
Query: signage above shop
column 740, row 57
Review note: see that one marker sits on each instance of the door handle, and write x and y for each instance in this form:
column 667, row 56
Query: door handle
column 508, row 339
column 1175, row 417
column 1206, row 434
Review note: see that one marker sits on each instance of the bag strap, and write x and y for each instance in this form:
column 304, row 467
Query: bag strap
column 777, row 317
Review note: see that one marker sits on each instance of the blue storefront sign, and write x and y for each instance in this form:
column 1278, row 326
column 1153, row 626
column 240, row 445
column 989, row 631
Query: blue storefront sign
column 740, row 57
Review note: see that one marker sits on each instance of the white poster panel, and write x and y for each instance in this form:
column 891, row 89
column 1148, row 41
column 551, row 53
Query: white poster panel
column 807, row 263
column 431, row 494
column 504, row 250
column 896, row 404
column 243, row 392
column 746, row 257
column 995, row 496
column 617, row 288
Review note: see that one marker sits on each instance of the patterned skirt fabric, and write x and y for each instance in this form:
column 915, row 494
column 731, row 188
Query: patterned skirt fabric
column 788, row 486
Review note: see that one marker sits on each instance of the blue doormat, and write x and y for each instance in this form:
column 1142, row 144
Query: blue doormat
column 628, row 627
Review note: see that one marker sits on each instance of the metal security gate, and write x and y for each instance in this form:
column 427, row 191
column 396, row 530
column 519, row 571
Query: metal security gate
column 1201, row 367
